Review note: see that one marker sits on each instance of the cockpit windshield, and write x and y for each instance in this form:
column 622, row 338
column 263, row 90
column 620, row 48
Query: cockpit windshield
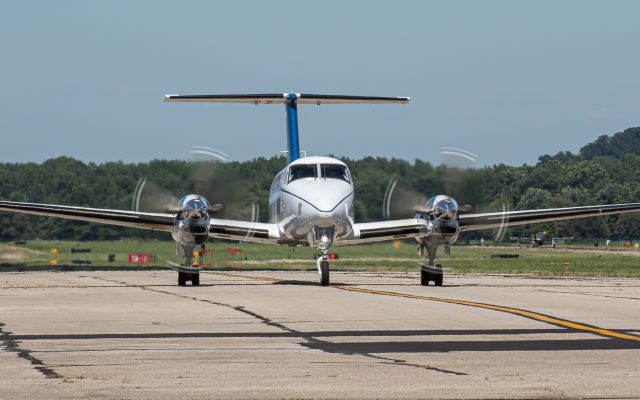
column 334, row 171
column 303, row 171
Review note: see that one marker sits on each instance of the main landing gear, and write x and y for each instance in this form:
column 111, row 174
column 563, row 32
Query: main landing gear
column 430, row 272
column 184, row 277
column 190, row 272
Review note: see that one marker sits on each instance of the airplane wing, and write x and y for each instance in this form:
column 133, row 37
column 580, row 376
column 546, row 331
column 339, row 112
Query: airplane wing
column 246, row 231
column 474, row 222
column 219, row 228
column 131, row 219
column 369, row 232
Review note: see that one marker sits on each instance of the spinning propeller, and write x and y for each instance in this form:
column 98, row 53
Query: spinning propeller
column 210, row 178
column 450, row 178
column 457, row 178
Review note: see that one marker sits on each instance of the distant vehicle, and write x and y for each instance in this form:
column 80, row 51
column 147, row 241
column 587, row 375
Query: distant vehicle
column 311, row 204
column 540, row 239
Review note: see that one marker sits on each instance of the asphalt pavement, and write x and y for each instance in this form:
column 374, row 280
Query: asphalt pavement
column 279, row 335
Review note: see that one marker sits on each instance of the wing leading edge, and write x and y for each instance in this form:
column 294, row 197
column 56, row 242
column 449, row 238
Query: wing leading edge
column 474, row 222
column 131, row 219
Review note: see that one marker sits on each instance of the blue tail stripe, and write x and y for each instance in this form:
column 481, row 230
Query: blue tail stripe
column 293, row 140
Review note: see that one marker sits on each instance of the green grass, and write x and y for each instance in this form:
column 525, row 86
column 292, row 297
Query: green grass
column 544, row 261
column 375, row 257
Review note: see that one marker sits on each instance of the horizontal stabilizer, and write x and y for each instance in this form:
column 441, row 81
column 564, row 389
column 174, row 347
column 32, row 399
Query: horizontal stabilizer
column 290, row 101
column 280, row 98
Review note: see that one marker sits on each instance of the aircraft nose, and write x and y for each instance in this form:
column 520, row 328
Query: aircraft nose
column 328, row 204
column 321, row 203
column 329, row 195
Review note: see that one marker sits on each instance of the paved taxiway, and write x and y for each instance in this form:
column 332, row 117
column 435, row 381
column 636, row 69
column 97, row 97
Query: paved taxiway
column 278, row 335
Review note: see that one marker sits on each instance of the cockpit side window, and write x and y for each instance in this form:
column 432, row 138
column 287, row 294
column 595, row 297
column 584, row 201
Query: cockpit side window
column 335, row 171
column 302, row 171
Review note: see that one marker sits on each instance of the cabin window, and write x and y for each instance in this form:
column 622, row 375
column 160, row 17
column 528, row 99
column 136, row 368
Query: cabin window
column 335, row 171
column 302, row 171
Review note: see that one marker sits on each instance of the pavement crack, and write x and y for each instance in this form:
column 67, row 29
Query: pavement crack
column 264, row 319
column 12, row 345
column 393, row 361
column 267, row 321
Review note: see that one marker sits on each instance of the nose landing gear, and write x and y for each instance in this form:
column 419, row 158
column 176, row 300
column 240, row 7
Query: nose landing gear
column 323, row 237
column 323, row 270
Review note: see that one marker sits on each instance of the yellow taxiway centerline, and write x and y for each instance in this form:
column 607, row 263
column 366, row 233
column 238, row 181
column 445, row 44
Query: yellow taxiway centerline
column 515, row 311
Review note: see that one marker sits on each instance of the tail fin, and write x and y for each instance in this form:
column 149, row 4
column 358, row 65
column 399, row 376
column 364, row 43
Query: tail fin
column 291, row 101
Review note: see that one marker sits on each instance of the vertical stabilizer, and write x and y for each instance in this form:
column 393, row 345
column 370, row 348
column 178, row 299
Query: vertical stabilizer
column 293, row 139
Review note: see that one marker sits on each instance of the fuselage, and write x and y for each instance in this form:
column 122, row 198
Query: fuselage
column 312, row 198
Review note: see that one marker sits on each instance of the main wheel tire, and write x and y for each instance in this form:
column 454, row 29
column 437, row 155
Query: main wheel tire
column 425, row 277
column 324, row 271
column 182, row 279
column 437, row 276
column 195, row 279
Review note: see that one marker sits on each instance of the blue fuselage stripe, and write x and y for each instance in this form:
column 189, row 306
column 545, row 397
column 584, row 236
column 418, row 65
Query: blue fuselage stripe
column 292, row 130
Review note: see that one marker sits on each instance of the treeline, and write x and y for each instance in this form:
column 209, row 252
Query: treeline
column 605, row 171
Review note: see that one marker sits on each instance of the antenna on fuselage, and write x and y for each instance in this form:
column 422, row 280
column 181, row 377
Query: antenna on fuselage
column 291, row 101
column 303, row 153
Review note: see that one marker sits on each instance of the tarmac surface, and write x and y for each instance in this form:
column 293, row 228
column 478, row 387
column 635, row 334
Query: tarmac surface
column 278, row 335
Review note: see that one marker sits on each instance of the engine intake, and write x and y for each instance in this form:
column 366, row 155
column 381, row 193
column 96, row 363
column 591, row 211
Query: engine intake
column 195, row 229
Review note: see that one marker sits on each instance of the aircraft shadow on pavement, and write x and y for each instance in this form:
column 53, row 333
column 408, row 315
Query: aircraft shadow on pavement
column 318, row 340
column 480, row 345
column 300, row 334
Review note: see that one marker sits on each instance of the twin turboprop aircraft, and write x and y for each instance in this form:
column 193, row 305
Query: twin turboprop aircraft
column 311, row 204
column 540, row 239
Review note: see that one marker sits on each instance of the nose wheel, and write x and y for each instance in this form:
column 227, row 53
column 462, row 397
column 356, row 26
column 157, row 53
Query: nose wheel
column 324, row 273
column 323, row 270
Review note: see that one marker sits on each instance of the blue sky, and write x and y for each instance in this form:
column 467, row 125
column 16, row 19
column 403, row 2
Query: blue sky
column 506, row 80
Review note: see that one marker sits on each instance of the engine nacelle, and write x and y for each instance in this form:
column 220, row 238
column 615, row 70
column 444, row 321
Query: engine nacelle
column 441, row 213
column 441, row 232
column 191, row 223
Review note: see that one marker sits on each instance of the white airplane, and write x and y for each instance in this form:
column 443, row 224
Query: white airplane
column 311, row 204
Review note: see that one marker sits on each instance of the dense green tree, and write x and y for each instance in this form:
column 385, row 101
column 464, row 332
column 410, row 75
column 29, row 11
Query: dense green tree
column 605, row 171
column 614, row 146
column 628, row 226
